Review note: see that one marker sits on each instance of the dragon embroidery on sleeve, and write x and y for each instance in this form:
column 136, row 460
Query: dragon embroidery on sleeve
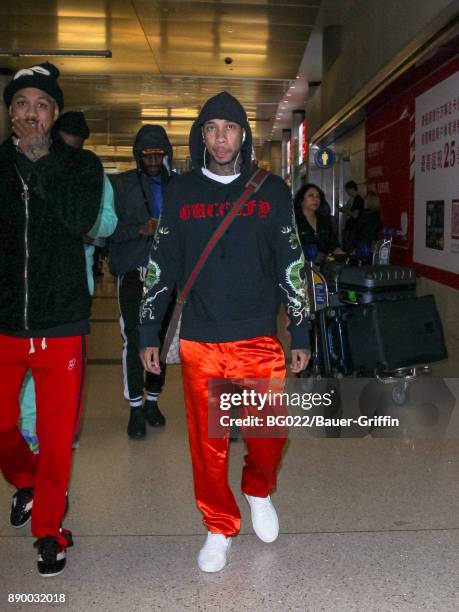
column 292, row 233
column 153, row 276
column 161, row 231
column 295, row 291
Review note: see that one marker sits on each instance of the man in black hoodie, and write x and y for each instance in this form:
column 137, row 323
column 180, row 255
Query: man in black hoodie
column 138, row 203
column 229, row 322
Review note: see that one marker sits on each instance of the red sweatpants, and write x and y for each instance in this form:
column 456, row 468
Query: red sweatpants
column 253, row 358
column 58, row 367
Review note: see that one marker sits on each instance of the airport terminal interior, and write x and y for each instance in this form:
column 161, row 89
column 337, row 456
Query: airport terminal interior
column 335, row 91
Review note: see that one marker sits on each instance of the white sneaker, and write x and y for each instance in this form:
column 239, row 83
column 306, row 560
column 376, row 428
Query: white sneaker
column 214, row 554
column 264, row 518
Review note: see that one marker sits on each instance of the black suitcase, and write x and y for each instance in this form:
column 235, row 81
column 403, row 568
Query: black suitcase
column 391, row 335
column 367, row 284
column 333, row 342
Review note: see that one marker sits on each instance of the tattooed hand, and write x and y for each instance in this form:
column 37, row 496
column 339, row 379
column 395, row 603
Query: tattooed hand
column 32, row 140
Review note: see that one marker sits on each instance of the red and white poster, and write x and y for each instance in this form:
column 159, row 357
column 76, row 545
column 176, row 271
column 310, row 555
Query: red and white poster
column 412, row 162
column 302, row 143
column 436, row 181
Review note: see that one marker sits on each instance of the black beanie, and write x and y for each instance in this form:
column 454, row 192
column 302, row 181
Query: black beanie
column 74, row 123
column 43, row 76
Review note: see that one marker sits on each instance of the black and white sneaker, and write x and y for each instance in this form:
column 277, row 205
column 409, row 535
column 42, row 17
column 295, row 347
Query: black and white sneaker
column 136, row 426
column 21, row 507
column 51, row 556
column 153, row 414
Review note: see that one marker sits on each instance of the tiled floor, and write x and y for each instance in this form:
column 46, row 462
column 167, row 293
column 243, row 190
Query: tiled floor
column 366, row 524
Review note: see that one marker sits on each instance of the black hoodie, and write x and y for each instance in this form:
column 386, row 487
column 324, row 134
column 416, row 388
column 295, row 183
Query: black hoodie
column 128, row 249
column 257, row 263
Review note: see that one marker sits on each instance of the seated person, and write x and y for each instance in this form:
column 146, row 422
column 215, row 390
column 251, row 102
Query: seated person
column 314, row 229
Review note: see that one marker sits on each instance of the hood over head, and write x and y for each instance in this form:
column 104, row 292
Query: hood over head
column 153, row 137
column 221, row 106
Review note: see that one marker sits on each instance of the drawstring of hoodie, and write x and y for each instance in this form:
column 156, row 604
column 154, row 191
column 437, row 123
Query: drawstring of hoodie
column 166, row 164
column 205, row 151
column 235, row 162
column 44, row 346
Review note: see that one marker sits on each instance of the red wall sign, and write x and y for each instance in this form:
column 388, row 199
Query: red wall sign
column 390, row 153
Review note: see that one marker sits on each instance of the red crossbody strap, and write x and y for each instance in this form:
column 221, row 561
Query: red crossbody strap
column 252, row 186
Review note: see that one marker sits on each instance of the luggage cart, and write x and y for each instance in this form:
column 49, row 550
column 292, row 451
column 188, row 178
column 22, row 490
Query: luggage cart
column 330, row 355
column 331, row 352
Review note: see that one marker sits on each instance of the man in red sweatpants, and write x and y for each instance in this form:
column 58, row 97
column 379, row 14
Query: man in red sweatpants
column 229, row 322
column 49, row 199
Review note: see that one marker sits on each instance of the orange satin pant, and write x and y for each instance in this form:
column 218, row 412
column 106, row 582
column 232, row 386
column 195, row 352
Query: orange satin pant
column 261, row 357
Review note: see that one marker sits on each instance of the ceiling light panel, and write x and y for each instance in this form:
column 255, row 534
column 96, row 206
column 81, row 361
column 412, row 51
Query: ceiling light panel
column 168, row 56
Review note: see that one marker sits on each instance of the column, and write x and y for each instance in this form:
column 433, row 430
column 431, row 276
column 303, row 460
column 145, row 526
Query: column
column 297, row 120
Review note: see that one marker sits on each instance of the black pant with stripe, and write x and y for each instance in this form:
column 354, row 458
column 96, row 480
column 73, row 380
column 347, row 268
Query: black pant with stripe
column 135, row 378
